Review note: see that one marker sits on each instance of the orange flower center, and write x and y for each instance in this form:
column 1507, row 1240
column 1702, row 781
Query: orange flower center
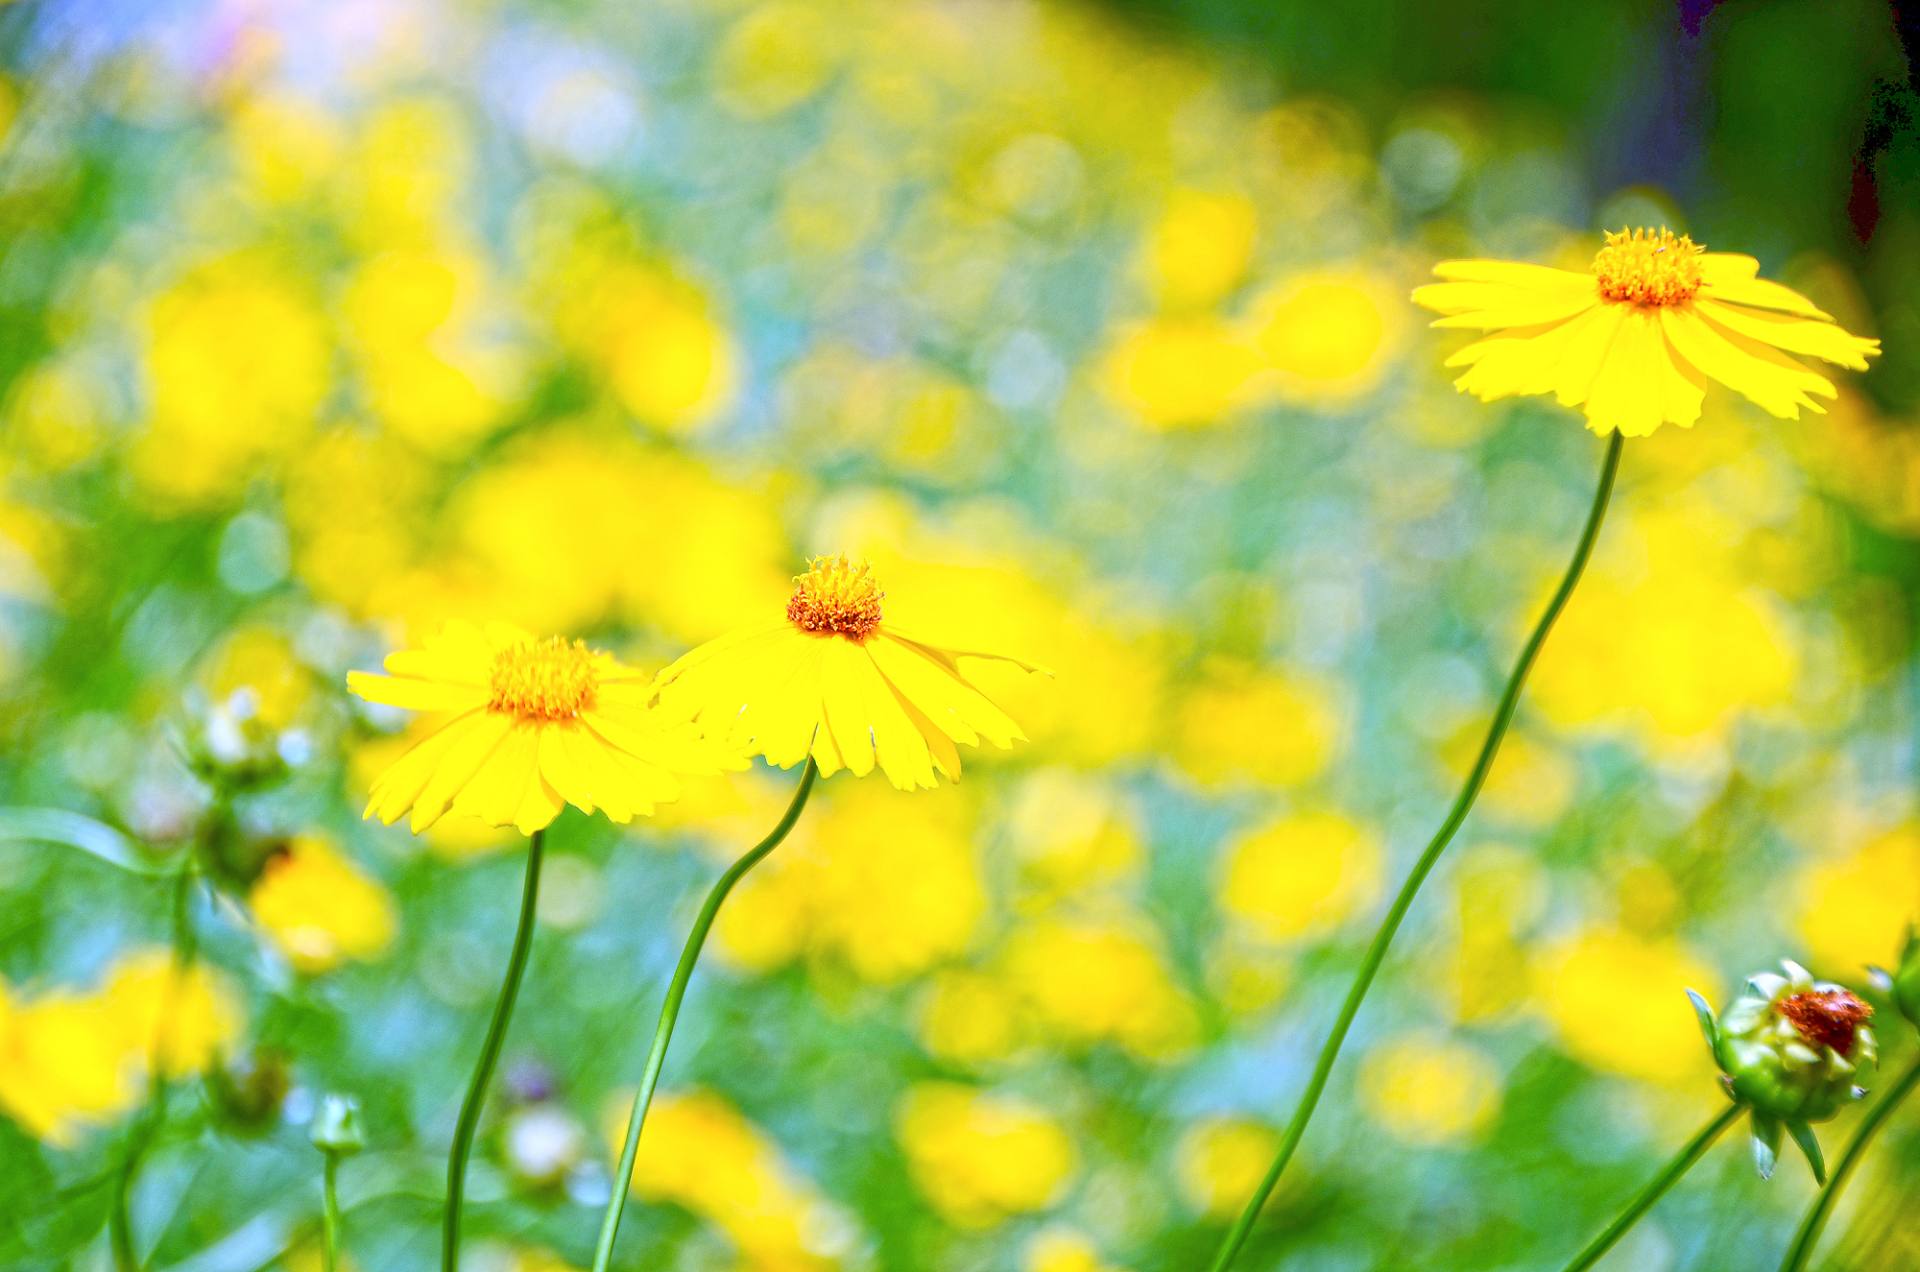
column 552, row 679
column 1648, row 267
column 1826, row 1017
column 836, row 596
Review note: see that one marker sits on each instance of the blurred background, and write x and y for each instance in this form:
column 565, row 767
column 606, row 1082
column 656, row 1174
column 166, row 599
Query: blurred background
column 327, row 320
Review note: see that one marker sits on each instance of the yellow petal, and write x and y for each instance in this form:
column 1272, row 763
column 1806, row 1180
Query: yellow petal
column 1625, row 394
column 933, row 684
column 1762, row 294
column 843, row 705
column 395, row 789
column 902, row 747
column 1514, row 274
column 469, row 749
column 1773, row 381
column 411, row 694
column 1810, row 336
column 497, row 788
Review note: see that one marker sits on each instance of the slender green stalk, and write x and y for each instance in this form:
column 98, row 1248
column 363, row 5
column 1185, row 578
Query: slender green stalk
column 186, row 948
column 330, row 1214
column 1669, row 1175
column 1883, row 1108
column 1390, row 925
column 670, row 1011
column 489, row 1056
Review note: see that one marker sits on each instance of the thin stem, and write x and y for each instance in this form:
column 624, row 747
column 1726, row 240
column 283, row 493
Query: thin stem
column 1682, row 1162
column 1463, row 802
column 489, row 1055
column 670, row 1011
column 186, row 948
column 1809, row 1234
column 330, row 1214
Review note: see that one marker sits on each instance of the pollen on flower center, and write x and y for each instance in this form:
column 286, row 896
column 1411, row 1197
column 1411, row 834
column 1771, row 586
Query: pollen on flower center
column 1826, row 1018
column 836, row 596
column 552, row 679
column 1648, row 267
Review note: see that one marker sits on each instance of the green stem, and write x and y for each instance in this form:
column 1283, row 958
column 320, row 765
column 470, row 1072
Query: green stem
column 1383, row 938
column 489, row 1055
column 186, row 948
column 330, row 1214
column 1682, row 1162
column 1809, row 1234
column 670, row 1011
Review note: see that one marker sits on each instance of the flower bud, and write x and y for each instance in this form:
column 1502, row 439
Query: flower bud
column 1791, row 1050
column 336, row 1125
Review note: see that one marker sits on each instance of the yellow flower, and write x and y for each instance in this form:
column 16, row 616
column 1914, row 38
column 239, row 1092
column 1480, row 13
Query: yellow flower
column 1300, row 875
column 532, row 726
column 980, row 1157
column 1219, row 1160
column 832, row 680
column 1854, row 909
column 63, row 1065
column 188, row 1020
column 318, row 909
column 1616, row 1000
column 1425, row 1088
column 1636, row 339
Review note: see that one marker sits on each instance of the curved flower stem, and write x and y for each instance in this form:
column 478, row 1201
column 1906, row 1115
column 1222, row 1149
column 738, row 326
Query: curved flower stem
column 1463, row 802
column 1682, row 1162
column 670, row 1011
column 186, row 948
column 489, row 1056
column 330, row 1214
column 1809, row 1234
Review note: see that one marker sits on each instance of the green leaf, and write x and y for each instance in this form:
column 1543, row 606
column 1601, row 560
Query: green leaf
column 72, row 830
column 1804, row 1137
column 1766, row 1143
column 1704, row 1013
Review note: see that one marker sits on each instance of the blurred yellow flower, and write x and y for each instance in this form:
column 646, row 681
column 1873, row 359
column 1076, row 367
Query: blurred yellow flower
column 833, row 681
column 1636, row 339
column 1178, row 373
column 1088, row 980
column 319, row 909
column 701, row 1153
column 1242, row 723
column 1426, row 1088
column 1219, row 1160
column 527, row 727
column 1329, row 335
column 187, row 1021
column 1300, row 875
column 848, row 891
column 1855, row 909
column 230, row 342
column 1071, row 831
column 1200, row 247
column 969, row 1018
column 1618, row 1002
column 64, row 1065
column 1060, row 1249
column 981, row 1157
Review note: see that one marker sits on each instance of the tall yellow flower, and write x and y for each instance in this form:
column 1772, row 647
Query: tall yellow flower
column 832, row 681
column 529, row 727
column 1636, row 339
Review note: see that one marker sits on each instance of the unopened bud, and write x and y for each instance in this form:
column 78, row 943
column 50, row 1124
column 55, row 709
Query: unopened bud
column 336, row 1125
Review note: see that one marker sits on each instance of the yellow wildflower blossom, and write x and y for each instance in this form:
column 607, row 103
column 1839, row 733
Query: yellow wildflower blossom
column 531, row 726
column 981, row 1157
column 318, row 909
column 1425, row 1088
column 833, row 681
column 1635, row 339
column 1219, row 1160
column 63, row 1065
column 188, row 1020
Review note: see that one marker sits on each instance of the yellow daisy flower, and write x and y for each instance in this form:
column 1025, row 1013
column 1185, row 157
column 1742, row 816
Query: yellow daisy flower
column 1636, row 339
column 529, row 727
column 833, row 681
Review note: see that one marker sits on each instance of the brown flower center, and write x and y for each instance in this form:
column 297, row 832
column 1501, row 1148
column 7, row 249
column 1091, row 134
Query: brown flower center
column 836, row 597
column 1826, row 1017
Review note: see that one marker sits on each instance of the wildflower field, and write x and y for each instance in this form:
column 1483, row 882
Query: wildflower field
column 959, row 635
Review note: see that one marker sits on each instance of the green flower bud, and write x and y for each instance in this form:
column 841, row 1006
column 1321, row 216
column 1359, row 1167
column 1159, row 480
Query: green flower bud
column 1906, row 980
column 1791, row 1049
column 336, row 1125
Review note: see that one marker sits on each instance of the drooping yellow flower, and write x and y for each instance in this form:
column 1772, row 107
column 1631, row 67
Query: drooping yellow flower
column 529, row 727
column 832, row 680
column 1636, row 339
